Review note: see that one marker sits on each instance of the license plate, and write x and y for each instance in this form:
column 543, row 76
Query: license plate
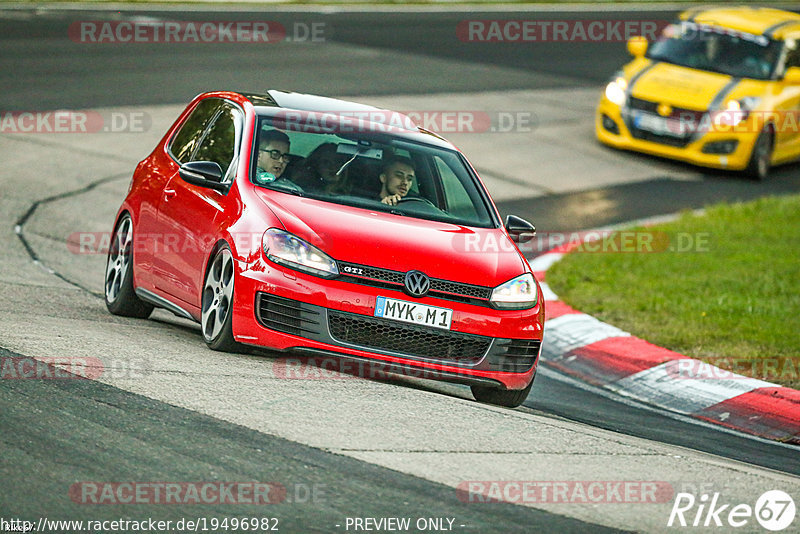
column 414, row 313
column 659, row 125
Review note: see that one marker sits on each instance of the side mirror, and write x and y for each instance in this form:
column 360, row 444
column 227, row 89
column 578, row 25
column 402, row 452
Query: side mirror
column 203, row 173
column 792, row 76
column 637, row 46
column 520, row 230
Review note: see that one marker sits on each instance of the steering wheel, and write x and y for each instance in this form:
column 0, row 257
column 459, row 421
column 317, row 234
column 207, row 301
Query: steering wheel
column 418, row 199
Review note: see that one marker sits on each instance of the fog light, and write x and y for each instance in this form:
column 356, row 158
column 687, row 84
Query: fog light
column 610, row 125
column 720, row 147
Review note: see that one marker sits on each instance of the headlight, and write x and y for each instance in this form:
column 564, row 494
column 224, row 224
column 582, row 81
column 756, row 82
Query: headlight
column 516, row 294
column 736, row 111
column 748, row 103
column 289, row 250
column 615, row 90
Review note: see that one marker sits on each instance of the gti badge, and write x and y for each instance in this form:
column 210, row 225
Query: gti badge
column 417, row 283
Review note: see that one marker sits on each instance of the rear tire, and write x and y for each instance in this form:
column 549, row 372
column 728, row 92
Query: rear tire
column 760, row 159
column 120, row 295
column 216, row 319
column 510, row 398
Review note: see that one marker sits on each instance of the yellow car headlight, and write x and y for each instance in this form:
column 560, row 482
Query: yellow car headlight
column 615, row 90
column 736, row 111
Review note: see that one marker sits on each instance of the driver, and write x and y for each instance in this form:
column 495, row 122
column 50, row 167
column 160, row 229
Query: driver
column 396, row 179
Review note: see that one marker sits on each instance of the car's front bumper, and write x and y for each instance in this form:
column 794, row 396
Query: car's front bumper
column 286, row 310
column 693, row 150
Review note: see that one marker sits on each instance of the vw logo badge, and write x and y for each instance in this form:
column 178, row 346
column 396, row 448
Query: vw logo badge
column 417, row 283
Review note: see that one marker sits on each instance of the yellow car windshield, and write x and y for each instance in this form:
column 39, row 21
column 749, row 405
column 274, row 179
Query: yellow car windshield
column 716, row 49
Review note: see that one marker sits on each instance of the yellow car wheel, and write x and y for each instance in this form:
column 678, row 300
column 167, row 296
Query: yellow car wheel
column 758, row 167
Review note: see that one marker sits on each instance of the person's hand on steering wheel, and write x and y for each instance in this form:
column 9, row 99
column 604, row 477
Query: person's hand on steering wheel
column 391, row 200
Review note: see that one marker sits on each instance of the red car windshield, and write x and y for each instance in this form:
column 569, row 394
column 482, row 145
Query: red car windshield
column 370, row 170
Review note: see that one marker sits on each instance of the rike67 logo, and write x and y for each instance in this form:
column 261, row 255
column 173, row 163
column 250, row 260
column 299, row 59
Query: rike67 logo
column 774, row 511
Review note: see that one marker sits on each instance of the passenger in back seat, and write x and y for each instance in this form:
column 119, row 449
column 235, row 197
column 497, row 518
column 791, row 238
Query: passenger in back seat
column 318, row 172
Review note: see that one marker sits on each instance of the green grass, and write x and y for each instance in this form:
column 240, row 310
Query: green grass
column 736, row 298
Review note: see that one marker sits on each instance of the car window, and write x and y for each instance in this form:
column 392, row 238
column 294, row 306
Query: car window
column 459, row 202
column 717, row 49
column 344, row 165
column 220, row 140
column 793, row 55
column 186, row 140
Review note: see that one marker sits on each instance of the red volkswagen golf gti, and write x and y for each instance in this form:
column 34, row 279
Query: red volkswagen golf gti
column 308, row 224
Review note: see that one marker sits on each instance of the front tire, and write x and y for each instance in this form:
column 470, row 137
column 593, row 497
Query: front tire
column 217, row 303
column 120, row 295
column 761, row 158
column 510, row 398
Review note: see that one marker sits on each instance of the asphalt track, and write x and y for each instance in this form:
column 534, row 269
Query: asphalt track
column 126, row 429
column 39, row 69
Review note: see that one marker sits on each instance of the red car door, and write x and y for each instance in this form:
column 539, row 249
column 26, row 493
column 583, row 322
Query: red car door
column 155, row 173
column 189, row 215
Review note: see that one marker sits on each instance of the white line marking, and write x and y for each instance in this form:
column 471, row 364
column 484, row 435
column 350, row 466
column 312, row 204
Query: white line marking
column 548, row 294
column 545, row 261
column 569, row 332
column 665, row 385
column 635, row 403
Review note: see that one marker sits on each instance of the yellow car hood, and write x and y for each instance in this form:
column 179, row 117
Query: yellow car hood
column 679, row 86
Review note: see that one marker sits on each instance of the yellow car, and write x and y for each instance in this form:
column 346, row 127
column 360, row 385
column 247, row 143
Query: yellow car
column 720, row 88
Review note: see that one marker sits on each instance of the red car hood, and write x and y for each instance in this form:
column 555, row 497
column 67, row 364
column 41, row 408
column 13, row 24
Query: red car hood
column 482, row 256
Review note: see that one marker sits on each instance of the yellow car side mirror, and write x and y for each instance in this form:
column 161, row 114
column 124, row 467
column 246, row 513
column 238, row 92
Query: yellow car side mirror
column 792, row 76
column 637, row 46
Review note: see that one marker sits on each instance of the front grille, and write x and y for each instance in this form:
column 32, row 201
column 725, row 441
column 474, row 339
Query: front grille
column 677, row 113
column 514, row 355
column 286, row 315
column 410, row 340
column 686, row 116
column 642, row 105
column 375, row 273
column 456, row 288
column 445, row 289
column 669, row 140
